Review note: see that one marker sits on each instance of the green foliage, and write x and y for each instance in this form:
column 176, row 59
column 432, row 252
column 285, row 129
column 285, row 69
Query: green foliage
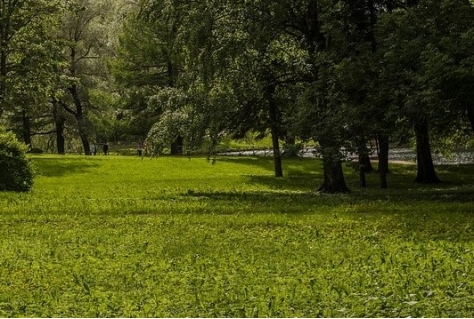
column 30, row 56
column 17, row 171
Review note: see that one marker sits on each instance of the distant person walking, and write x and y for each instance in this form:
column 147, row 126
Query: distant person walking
column 105, row 148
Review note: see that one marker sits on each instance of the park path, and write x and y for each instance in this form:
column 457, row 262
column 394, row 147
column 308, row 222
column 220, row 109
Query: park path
column 405, row 155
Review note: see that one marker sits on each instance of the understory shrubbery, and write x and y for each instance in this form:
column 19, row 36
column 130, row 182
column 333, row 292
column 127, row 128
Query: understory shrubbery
column 16, row 172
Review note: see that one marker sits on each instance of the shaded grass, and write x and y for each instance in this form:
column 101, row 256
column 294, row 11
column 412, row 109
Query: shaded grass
column 176, row 237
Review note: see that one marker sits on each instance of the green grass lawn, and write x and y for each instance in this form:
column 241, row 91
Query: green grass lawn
column 178, row 237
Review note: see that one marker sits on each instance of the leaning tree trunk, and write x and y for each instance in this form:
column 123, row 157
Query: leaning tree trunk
column 334, row 181
column 81, row 122
column 426, row 171
column 83, row 135
column 383, row 148
column 273, row 116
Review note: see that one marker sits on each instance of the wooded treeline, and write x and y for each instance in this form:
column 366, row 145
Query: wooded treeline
column 337, row 72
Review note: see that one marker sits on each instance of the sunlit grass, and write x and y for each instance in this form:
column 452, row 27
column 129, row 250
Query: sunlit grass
column 176, row 237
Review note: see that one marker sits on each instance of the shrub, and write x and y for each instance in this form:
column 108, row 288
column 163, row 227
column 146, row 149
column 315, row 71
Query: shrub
column 17, row 173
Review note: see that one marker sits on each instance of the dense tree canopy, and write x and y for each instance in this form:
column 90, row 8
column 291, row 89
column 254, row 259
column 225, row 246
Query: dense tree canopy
column 338, row 73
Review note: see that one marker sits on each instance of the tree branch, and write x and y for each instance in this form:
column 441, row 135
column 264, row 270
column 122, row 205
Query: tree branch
column 67, row 108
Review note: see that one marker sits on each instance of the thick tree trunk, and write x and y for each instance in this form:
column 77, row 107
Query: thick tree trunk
column 383, row 148
column 59, row 121
column 334, row 181
column 26, row 128
column 426, row 171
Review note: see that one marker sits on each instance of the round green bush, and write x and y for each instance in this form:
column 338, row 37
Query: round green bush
column 16, row 171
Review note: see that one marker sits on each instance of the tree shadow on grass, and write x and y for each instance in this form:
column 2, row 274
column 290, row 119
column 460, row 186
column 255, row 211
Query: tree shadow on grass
column 53, row 167
column 298, row 188
column 408, row 219
column 457, row 185
column 305, row 175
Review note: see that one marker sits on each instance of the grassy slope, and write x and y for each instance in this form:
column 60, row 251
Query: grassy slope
column 174, row 237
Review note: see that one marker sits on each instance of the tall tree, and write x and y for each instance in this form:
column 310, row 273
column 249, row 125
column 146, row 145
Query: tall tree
column 148, row 60
column 28, row 56
column 256, row 61
column 83, row 33
column 320, row 115
column 417, row 64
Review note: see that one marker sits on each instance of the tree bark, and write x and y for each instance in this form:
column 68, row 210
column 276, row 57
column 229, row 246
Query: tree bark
column 79, row 110
column 81, row 122
column 276, row 152
column 364, row 159
column 273, row 117
column 60, row 141
column 383, row 148
column 334, row 181
column 83, row 135
column 59, row 121
column 426, row 171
